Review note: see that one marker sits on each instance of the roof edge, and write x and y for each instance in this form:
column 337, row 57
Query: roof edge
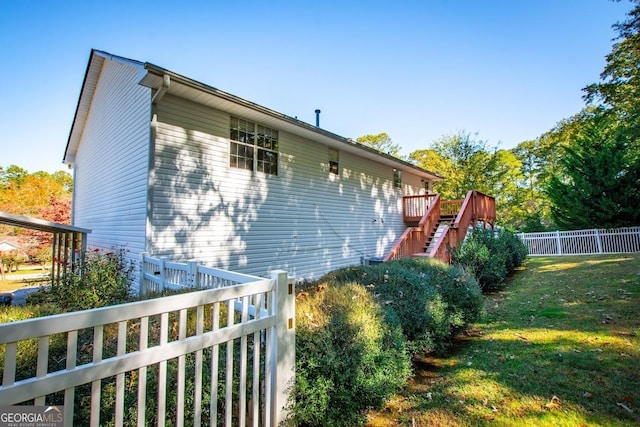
column 38, row 224
column 160, row 71
column 94, row 67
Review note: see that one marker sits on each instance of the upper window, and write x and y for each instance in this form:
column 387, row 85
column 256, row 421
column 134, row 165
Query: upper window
column 253, row 147
column 397, row 178
column 333, row 161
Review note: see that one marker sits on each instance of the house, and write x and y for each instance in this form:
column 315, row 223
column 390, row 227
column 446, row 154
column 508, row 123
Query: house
column 7, row 246
column 170, row 166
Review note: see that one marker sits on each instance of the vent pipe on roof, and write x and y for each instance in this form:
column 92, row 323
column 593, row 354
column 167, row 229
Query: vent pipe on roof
column 317, row 118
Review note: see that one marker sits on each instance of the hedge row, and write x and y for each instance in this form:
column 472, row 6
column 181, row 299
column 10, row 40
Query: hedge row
column 490, row 256
column 358, row 329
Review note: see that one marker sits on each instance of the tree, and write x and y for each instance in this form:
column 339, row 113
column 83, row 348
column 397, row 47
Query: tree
column 39, row 194
column 12, row 175
column 463, row 161
column 381, row 142
column 619, row 89
column 598, row 180
column 24, row 193
column 432, row 161
column 505, row 181
column 64, row 179
column 467, row 164
column 598, row 187
column 36, row 243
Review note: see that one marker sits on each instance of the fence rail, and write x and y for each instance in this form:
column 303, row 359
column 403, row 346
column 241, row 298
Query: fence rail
column 582, row 242
column 158, row 274
column 221, row 356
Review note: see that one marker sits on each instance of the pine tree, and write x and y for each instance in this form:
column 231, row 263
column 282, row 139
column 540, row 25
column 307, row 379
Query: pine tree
column 599, row 181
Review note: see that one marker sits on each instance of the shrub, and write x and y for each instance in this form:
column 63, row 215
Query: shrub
column 357, row 328
column 451, row 300
column 490, row 256
column 458, row 289
column 515, row 248
column 349, row 356
column 103, row 278
column 432, row 300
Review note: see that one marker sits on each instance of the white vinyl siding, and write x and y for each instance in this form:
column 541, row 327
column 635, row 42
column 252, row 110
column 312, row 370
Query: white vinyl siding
column 305, row 220
column 111, row 166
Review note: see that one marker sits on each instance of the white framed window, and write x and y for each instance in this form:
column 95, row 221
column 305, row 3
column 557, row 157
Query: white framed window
column 334, row 158
column 253, row 147
column 397, row 178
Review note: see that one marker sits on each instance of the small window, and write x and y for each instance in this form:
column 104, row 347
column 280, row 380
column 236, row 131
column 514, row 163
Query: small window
column 333, row 161
column 253, row 147
column 397, row 178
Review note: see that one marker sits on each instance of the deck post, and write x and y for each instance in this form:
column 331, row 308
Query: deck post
column 284, row 357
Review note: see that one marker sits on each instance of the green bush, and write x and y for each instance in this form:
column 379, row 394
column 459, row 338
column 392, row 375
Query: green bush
column 459, row 290
column 103, row 278
column 358, row 327
column 406, row 295
column 432, row 300
column 349, row 356
column 490, row 256
column 515, row 248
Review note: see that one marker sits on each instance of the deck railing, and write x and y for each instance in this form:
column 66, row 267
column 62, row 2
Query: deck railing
column 451, row 207
column 414, row 207
column 224, row 355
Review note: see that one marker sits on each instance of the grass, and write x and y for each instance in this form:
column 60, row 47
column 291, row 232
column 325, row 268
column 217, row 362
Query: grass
column 560, row 346
column 9, row 285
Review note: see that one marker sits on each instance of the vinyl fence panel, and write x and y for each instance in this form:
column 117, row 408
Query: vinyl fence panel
column 221, row 356
column 583, row 242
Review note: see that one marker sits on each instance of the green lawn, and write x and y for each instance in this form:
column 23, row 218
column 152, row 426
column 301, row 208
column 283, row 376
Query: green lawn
column 560, row 346
column 9, row 285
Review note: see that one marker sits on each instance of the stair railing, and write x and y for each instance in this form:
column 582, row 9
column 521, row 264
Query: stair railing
column 475, row 207
column 484, row 208
column 413, row 239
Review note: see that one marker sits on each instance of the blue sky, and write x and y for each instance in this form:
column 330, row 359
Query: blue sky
column 506, row 70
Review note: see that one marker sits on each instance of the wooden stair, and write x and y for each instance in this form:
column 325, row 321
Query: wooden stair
column 427, row 218
column 433, row 238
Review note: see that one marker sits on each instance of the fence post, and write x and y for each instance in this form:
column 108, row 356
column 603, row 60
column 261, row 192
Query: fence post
column 559, row 242
column 162, row 275
column 192, row 274
column 599, row 241
column 142, row 289
column 284, row 356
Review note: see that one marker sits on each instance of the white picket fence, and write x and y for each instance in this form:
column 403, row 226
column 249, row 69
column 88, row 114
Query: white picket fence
column 224, row 355
column 582, row 242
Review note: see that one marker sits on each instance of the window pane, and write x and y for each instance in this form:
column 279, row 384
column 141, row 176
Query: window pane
column 333, row 155
column 268, row 162
column 242, row 153
column 242, row 130
column 241, row 156
column 267, row 138
column 397, row 178
column 333, row 167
